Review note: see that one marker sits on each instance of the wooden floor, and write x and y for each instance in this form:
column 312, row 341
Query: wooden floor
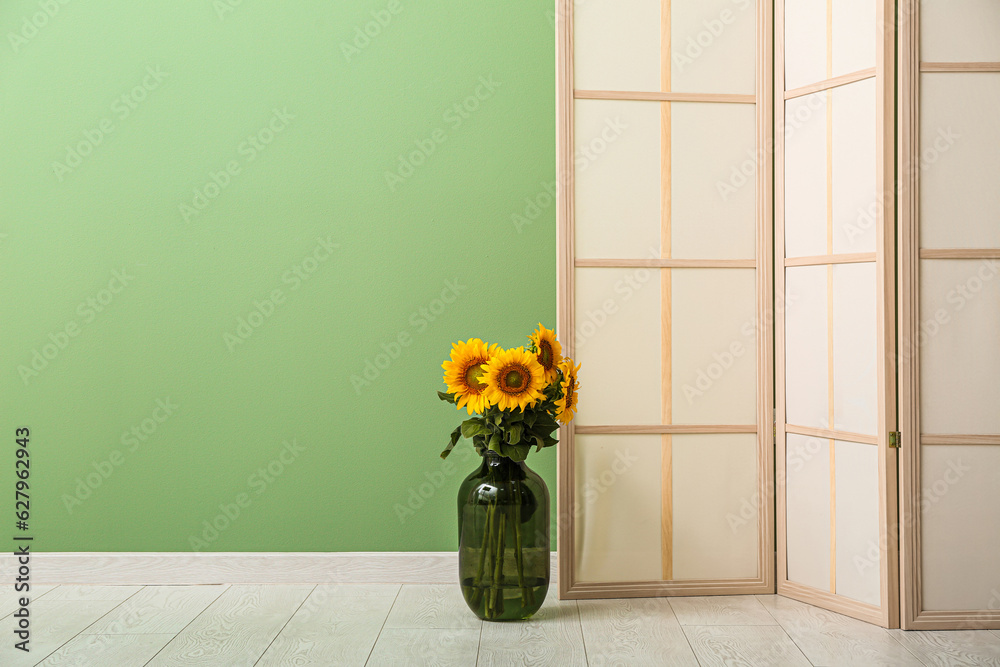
column 392, row 624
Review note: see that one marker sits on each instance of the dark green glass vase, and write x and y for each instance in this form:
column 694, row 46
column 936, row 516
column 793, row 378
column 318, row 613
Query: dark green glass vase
column 503, row 539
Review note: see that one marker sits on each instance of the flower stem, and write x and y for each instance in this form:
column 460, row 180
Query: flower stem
column 518, row 554
column 496, row 599
column 477, row 583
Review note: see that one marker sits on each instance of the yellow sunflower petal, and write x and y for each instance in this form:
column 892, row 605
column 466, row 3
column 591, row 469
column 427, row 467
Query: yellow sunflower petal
column 570, row 399
column 514, row 379
column 464, row 372
column 549, row 351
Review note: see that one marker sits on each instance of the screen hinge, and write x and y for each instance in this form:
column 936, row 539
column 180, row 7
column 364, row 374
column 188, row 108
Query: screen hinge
column 895, row 439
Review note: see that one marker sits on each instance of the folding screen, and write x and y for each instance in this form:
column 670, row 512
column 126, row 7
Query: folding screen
column 950, row 313
column 665, row 255
column 834, row 320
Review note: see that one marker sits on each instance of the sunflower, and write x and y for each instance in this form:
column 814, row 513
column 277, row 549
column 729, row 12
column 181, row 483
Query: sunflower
column 570, row 387
column 549, row 351
column 463, row 374
column 514, row 379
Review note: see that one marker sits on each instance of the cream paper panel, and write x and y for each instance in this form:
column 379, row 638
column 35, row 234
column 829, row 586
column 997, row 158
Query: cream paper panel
column 854, row 35
column 713, row 176
column 855, row 349
column 713, row 46
column 715, row 505
column 960, row 346
column 855, row 187
column 618, row 486
column 805, row 42
column 714, row 346
column 858, row 570
column 959, row 159
column 617, row 179
column 959, row 30
column 960, row 527
column 806, row 347
column 618, row 343
column 806, row 175
column 617, row 44
column 807, row 510
column 855, row 202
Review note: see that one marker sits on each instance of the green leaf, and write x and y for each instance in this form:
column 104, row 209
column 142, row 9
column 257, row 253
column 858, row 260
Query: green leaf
column 447, row 397
column 455, row 436
column 473, row 427
column 514, row 434
column 545, row 423
column 518, row 452
column 494, row 444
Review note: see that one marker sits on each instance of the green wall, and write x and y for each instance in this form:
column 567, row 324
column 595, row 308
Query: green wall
column 169, row 169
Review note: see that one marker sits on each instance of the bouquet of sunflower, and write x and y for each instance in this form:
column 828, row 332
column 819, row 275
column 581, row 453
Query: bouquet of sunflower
column 518, row 396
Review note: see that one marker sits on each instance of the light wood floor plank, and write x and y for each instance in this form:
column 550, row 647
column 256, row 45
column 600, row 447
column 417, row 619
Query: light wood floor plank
column 94, row 650
column 157, row 610
column 429, row 607
column 744, row 645
column 357, row 590
column 831, row 639
column 954, row 647
column 52, row 625
column 721, row 610
column 552, row 636
column 329, row 630
column 10, row 599
column 236, row 629
column 68, row 592
column 633, row 632
column 407, row 647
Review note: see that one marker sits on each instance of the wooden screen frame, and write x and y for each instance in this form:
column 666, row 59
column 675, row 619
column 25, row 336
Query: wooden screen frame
column 566, row 94
column 887, row 613
column 914, row 615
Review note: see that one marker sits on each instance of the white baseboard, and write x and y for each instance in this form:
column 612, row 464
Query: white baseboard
column 152, row 568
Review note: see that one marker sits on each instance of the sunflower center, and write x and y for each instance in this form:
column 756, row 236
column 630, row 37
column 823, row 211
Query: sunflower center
column 472, row 376
column 545, row 355
column 514, row 380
